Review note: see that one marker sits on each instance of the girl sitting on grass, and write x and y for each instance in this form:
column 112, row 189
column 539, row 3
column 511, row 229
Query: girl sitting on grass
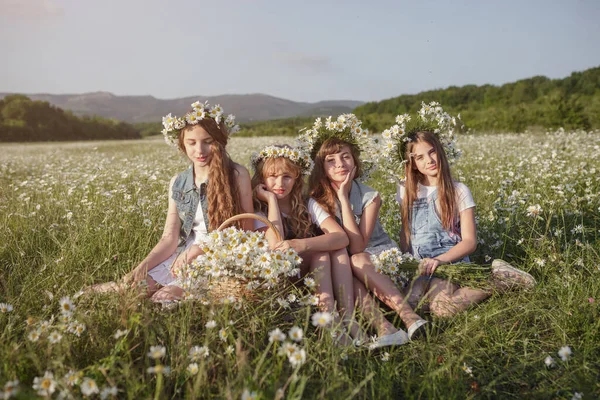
column 278, row 190
column 211, row 190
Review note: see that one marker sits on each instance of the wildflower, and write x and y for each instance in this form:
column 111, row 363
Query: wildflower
column 229, row 350
column 577, row 229
column 5, row 307
column 248, row 395
column 10, row 389
column 71, row 378
column 565, row 352
column 577, row 396
column 120, row 332
column 297, row 358
column 385, row 356
column 109, row 391
column 78, row 329
column 549, row 361
column 210, row 324
column 310, row 282
column 540, row 261
column 276, row 335
column 287, row 349
column 159, row 369
column 223, row 334
column 321, row 319
column 54, row 337
column 89, row 387
column 467, row 369
column 157, row 352
column 45, row 385
column 66, row 306
column 192, row 368
column 34, row 335
column 198, row 352
column 534, row 211
column 296, row 334
column 147, row 223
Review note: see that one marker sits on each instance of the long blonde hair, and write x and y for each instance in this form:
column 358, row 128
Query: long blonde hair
column 320, row 187
column 223, row 192
column 445, row 185
column 299, row 219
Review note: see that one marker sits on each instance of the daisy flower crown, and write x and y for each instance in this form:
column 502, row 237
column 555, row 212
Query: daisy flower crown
column 297, row 155
column 346, row 127
column 432, row 118
column 173, row 125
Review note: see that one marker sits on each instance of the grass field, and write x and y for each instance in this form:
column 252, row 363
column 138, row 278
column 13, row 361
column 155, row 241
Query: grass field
column 81, row 213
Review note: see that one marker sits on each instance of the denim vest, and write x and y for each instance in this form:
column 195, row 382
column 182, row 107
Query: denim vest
column 428, row 236
column 360, row 196
column 187, row 197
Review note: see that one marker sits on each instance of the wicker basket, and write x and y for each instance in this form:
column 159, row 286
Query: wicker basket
column 235, row 287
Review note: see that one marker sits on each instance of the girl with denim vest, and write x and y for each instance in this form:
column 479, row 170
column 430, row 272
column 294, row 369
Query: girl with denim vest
column 278, row 192
column 211, row 190
column 356, row 206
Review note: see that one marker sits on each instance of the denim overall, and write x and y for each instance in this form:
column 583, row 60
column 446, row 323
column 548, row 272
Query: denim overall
column 361, row 196
column 428, row 237
column 187, row 197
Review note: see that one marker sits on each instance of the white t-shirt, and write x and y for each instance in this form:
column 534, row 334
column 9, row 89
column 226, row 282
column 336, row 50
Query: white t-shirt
column 199, row 226
column 464, row 198
column 317, row 214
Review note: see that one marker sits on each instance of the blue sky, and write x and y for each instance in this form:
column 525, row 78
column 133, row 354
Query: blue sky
column 299, row 50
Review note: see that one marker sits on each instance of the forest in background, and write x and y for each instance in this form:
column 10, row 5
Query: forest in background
column 25, row 120
column 539, row 102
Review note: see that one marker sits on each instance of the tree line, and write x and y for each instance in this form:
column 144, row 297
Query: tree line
column 25, row 120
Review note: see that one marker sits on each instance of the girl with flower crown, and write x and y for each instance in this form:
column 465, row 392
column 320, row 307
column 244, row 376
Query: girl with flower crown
column 278, row 194
column 211, row 190
column 334, row 184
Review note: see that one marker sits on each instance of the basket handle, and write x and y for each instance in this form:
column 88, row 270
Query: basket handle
column 262, row 219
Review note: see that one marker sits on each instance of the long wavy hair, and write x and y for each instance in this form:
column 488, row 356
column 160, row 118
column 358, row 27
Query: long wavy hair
column 319, row 184
column 445, row 186
column 223, row 192
column 299, row 219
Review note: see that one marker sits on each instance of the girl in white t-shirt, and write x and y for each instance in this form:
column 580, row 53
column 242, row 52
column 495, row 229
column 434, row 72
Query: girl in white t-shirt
column 438, row 227
column 278, row 194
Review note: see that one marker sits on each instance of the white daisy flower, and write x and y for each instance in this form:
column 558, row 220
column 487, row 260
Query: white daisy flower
column 109, row 391
column 10, row 389
column 71, row 378
column 198, row 352
column 45, row 385
column 5, row 307
column 192, row 369
column 89, row 387
column 321, row 319
column 34, row 335
column 157, row 352
column 565, row 352
column 210, row 324
column 54, row 337
column 248, row 395
column 296, row 334
column 159, row 369
column 297, row 358
column 276, row 335
column 66, row 306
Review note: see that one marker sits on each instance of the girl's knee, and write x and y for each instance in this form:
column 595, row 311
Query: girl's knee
column 443, row 306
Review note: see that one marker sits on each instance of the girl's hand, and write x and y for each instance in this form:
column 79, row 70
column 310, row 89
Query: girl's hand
column 263, row 194
column 344, row 188
column 297, row 245
column 138, row 274
column 178, row 264
column 427, row 266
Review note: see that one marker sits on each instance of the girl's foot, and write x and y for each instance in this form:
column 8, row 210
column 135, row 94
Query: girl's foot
column 395, row 339
column 506, row 277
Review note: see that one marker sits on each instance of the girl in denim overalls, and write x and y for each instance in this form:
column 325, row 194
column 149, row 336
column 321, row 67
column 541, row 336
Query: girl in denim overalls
column 356, row 206
column 211, row 190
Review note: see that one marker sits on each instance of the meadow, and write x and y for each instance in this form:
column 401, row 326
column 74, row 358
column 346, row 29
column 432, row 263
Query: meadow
column 75, row 214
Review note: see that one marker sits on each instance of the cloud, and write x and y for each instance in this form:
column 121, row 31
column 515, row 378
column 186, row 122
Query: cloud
column 30, row 9
column 304, row 61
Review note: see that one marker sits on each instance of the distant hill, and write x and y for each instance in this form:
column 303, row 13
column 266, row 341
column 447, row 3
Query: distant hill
column 246, row 107
column 571, row 102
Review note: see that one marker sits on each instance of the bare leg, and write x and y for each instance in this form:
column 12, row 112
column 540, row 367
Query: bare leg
column 343, row 288
column 370, row 311
column 168, row 293
column 113, row 287
column 446, row 298
column 320, row 267
column 383, row 287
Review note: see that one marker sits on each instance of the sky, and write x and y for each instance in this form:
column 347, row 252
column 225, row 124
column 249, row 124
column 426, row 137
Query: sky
column 298, row 50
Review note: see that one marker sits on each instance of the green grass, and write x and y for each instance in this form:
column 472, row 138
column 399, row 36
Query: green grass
column 82, row 213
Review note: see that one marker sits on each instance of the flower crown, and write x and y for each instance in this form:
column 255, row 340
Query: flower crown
column 346, row 127
column 173, row 125
column 297, row 155
column 432, row 118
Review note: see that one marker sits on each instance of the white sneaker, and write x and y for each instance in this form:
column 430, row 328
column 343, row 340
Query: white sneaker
column 395, row 339
column 506, row 277
column 417, row 329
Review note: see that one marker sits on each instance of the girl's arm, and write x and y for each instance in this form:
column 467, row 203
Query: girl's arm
column 165, row 247
column 274, row 214
column 334, row 238
column 245, row 191
column 466, row 246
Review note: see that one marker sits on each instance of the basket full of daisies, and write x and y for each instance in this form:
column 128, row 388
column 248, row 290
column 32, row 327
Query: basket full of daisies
column 237, row 262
